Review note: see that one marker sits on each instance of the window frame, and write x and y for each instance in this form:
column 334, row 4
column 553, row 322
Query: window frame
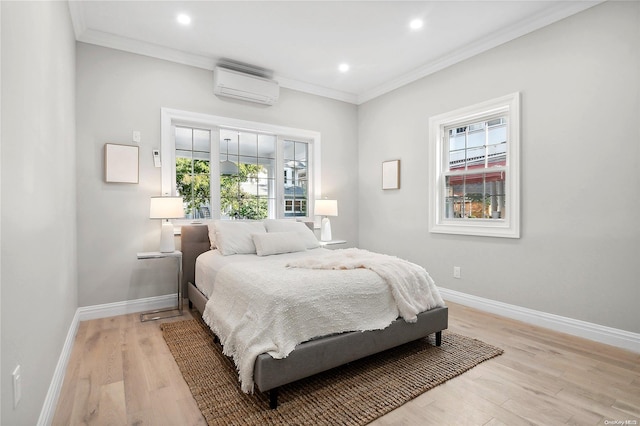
column 508, row 227
column 170, row 118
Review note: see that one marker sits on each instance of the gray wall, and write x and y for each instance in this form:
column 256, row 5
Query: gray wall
column 38, row 215
column 119, row 92
column 578, row 255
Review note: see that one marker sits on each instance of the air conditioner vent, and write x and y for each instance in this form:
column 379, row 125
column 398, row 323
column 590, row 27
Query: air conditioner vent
column 246, row 87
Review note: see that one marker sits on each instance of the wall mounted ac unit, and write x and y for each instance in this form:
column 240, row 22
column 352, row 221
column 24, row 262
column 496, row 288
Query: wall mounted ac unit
column 237, row 85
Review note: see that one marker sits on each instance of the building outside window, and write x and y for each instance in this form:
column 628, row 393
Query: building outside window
column 475, row 177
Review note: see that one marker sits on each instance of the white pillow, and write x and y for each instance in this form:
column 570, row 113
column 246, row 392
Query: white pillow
column 212, row 233
column 234, row 237
column 278, row 242
column 283, row 225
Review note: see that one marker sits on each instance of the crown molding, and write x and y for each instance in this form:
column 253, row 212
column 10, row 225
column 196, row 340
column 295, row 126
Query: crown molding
column 316, row 90
column 560, row 10
column 113, row 41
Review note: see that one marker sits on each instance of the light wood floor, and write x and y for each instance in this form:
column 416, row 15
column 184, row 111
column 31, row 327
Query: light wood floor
column 122, row 373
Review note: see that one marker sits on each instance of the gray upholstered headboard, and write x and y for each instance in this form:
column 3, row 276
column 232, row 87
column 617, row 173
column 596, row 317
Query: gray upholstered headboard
column 194, row 240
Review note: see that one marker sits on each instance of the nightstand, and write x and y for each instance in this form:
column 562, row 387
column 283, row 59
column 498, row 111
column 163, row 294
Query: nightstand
column 167, row 312
column 332, row 242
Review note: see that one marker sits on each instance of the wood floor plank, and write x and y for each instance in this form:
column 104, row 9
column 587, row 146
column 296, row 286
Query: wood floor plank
column 134, row 366
column 121, row 372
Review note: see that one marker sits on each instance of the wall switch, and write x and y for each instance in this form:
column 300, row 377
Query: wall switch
column 456, row 272
column 17, row 386
column 137, row 137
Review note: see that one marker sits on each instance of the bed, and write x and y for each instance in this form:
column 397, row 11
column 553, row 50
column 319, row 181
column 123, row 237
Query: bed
column 314, row 355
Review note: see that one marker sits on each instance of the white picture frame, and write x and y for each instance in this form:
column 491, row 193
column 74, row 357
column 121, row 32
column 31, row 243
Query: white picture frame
column 121, row 163
column 391, row 174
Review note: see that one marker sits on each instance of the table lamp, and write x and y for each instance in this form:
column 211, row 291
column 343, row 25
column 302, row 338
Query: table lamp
column 326, row 208
column 166, row 208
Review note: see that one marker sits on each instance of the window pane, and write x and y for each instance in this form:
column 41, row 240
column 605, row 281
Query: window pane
column 475, row 196
column 268, row 166
column 480, row 144
column 184, row 138
column 295, row 178
column 249, row 193
column 475, row 135
column 248, row 144
column 201, row 140
column 184, row 154
column 302, row 185
column 251, row 162
column 266, row 187
column 475, row 156
column 266, row 146
column 288, row 151
column 251, row 207
column 193, row 172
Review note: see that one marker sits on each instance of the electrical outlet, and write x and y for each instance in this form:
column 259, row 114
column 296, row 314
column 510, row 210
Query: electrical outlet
column 17, row 386
column 456, row 272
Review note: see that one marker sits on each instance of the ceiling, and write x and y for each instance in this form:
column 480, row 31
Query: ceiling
column 304, row 42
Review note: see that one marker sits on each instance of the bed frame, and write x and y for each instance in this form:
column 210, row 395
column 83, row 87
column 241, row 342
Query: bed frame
column 317, row 355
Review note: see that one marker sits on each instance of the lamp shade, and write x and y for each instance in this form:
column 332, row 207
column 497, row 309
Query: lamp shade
column 326, row 208
column 228, row 168
column 166, row 208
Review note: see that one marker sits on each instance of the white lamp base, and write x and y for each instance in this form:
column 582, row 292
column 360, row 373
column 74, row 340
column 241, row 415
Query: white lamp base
column 167, row 241
column 325, row 230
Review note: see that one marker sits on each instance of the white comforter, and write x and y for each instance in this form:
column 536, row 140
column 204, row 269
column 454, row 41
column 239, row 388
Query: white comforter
column 270, row 307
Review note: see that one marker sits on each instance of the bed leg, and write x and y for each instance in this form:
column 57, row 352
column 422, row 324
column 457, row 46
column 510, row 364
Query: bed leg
column 438, row 338
column 273, row 398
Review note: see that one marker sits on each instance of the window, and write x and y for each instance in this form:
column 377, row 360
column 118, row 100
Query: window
column 193, row 171
column 474, row 178
column 234, row 169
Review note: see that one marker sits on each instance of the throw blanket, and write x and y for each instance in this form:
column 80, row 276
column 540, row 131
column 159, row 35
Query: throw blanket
column 411, row 285
column 266, row 307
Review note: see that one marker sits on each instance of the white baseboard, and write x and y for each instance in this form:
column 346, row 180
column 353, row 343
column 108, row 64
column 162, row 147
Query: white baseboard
column 87, row 313
column 51, row 400
column 599, row 333
column 126, row 307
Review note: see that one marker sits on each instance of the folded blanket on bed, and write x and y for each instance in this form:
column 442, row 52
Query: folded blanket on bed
column 412, row 287
column 266, row 307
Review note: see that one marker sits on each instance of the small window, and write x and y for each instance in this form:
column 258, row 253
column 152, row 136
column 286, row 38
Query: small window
column 474, row 178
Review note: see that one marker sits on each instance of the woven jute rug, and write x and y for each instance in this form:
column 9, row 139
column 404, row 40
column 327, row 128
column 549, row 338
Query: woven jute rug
column 354, row 394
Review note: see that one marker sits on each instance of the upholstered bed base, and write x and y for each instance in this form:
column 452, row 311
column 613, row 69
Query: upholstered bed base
column 317, row 355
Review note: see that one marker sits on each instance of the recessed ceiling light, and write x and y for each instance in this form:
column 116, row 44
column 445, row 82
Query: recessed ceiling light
column 416, row 24
column 343, row 67
column 184, row 19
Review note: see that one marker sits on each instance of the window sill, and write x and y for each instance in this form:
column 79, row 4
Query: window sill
column 477, row 227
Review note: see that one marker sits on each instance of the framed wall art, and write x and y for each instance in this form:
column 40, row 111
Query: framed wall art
column 391, row 174
column 121, row 163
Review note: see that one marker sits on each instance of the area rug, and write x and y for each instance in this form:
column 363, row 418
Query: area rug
column 354, row 394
